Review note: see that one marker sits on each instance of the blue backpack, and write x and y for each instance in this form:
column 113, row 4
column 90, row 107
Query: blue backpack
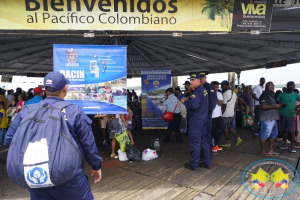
column 42, row 152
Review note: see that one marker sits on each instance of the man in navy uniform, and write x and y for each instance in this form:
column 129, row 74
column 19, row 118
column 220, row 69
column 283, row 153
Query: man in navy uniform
column 80, row 127
column 189, row 91
column 197, row 106
column 212, row 101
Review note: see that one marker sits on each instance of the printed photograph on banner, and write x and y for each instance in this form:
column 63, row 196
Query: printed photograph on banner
column 97, row 74
column 119, row 83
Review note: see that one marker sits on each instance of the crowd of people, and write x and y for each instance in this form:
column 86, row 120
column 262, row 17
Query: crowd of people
column 210, row 112
column 213, row 111
column 11, row 103
column 118, row 123
column 132, row 96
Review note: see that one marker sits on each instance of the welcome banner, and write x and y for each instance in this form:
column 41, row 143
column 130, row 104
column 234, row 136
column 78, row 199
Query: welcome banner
column 97, row 76
column 154, row 85
column 151, row 15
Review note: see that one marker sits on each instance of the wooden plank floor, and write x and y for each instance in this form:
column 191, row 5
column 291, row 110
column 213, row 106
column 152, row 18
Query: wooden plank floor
column 166, row 177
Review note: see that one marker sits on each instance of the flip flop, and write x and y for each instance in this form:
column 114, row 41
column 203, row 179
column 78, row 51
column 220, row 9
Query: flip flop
column 238, row 143
column 273, row 154
column 297, row 147
column 224, row 144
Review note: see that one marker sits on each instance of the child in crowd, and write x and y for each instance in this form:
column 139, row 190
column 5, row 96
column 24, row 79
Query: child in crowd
column 21, row 103
column 128, row 118
column 3, row 122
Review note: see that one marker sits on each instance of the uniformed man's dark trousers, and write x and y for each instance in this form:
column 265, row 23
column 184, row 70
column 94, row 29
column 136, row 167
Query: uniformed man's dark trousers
column 187, row 124
column 208, row 137
column 200, row 141
column 174, row 126
column 209, row 126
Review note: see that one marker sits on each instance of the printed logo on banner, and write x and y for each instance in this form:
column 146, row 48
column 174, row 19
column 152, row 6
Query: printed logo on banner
column 156, row 83
column 72, row 56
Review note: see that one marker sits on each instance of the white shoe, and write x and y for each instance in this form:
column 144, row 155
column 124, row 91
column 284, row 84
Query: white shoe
column 114, row 156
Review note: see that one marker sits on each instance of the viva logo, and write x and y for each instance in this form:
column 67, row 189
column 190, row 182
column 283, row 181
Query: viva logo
column 255, row 9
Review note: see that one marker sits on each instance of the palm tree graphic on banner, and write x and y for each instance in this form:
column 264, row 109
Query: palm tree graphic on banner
column 222, row 8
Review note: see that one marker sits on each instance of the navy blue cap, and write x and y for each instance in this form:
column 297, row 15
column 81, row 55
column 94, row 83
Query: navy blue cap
column 187, row 82
column 203, row 73
column 55, row 81
column 224, row 82
column 215, row 83
column 169, row 90
column 177, row 88
column 194, row 76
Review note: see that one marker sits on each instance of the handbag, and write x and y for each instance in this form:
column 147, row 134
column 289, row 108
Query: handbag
column 168, row 116
column 183, row 110
column 122, row 139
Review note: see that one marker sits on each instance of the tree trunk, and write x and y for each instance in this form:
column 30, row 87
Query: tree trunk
column 230, row 22
column 174, row 82
column 231, row 79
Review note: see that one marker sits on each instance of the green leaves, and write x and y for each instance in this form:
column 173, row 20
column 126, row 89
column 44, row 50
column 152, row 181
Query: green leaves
column 215, row 8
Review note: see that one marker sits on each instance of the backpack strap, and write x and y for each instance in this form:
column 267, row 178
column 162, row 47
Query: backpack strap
column 231, row 96
column 61, row 104
column 32, row 107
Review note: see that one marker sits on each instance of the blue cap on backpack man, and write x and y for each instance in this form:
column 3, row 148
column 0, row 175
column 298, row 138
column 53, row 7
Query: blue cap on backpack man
column 55, row 81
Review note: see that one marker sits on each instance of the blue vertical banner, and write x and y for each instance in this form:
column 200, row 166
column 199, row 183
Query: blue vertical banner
column 97, row 75
column 154, row 85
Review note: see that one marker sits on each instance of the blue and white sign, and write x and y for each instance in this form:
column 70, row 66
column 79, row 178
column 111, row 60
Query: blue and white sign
column 154, row 84
column 97, row 76
column 37, row 175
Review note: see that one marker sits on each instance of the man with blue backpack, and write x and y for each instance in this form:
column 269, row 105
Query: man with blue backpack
column 48, row 142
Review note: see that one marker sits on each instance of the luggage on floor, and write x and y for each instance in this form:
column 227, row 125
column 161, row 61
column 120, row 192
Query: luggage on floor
column 133, row 154
column 155, row 145
column 149, row 154
column 122, row 155
column 247, row 121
